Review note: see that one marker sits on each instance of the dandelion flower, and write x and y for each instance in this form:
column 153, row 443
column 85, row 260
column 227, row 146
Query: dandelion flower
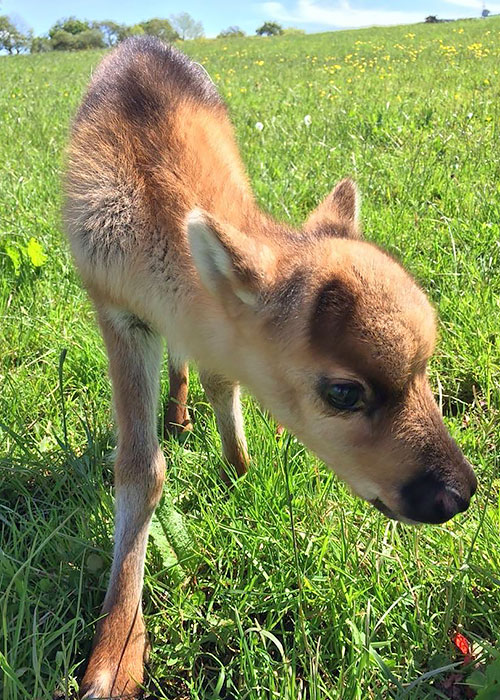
column 259, row 126
column 307, row 120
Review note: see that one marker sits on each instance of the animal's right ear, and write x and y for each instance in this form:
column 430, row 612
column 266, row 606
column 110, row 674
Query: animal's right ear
column 231, row 266
column 338, row 213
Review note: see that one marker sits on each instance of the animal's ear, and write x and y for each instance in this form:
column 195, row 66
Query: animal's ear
column 230, row 264
column 338, row 213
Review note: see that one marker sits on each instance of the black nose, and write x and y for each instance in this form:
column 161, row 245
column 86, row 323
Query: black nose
column 427, row 499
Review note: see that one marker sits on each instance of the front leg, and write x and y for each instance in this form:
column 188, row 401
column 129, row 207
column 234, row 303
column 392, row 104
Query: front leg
column 224, row 397
column 115, row 668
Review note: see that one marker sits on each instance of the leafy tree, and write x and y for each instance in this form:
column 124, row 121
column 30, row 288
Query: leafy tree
column 231, row 32
column 186, row 26
column 61, row 40
column 71, row 25
column 160, row 28
column 270, row 29
column 110, row 30
column 73, row 35
column 134, row 30
column 12, row 39
column 89, row 39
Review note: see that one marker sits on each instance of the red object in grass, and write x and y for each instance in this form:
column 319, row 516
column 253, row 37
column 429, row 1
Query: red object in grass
column 463, row 645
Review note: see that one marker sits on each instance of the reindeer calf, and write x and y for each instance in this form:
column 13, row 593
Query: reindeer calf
column 327, row 331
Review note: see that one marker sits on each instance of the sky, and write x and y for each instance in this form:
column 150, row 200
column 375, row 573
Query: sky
column 215, row 15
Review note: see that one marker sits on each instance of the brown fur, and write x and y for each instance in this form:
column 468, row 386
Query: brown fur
column 177, row 418
column 169, row 241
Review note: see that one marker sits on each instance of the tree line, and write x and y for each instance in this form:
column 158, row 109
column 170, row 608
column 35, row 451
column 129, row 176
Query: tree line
column 72, row 34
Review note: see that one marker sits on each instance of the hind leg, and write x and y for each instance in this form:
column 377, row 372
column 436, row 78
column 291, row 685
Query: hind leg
column 177, row 418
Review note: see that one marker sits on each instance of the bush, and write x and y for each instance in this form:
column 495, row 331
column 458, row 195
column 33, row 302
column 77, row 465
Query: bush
column 231, row 32
column 40, row 44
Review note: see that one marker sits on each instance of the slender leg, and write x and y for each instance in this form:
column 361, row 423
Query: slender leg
column 177, row 418
column 116, row 664
column 225, row 399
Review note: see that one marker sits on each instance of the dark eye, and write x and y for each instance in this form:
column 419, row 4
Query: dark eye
column 344, row 396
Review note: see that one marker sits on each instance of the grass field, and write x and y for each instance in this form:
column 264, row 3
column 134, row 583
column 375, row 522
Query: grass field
column 345, row 604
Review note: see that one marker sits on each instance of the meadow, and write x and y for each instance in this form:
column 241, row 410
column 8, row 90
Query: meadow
column 290, row 587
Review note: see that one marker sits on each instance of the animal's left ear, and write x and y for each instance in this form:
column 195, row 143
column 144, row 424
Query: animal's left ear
column 338, row 213
column 233, row 267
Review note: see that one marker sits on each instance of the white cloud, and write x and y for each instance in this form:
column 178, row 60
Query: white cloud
column 337, row 14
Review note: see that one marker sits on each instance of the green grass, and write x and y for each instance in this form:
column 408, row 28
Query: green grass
column 346, row 604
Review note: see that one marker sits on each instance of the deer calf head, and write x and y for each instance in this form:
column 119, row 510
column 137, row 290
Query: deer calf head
column 336, row 338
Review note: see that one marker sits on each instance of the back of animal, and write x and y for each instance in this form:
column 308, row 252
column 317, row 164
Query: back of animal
column 151, row 140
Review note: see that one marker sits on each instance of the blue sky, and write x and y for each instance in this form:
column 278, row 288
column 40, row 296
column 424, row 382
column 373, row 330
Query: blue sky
column 311, row 15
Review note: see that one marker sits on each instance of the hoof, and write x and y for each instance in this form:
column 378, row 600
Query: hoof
column 116, row 670
column 177, row 429
column 112, row 684
column 177, row 421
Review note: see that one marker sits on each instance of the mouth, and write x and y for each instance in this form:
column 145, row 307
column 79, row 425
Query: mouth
column 380, row 505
